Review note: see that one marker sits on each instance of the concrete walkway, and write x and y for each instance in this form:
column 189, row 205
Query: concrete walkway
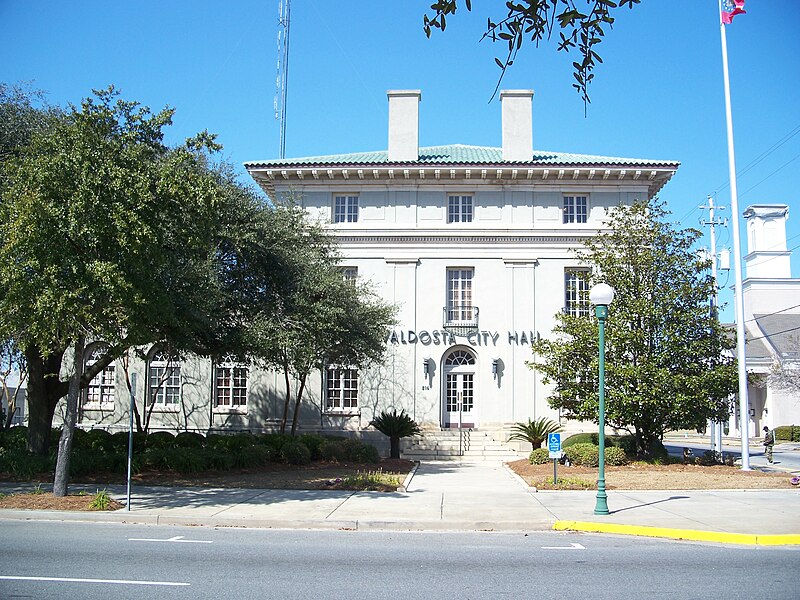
column 464, row 497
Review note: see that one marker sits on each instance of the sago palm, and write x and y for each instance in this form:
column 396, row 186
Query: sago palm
column 534, row 432
column 396, row 425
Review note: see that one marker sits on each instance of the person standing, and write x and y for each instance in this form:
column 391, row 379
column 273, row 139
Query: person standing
column 769, row 442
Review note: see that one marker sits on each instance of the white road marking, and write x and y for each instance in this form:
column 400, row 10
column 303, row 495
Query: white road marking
column 81, row 580
column 177, row 538
column 572, row 546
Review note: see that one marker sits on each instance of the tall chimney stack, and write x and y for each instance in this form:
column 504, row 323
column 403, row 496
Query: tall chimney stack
column 403, row 124
column 517, row 124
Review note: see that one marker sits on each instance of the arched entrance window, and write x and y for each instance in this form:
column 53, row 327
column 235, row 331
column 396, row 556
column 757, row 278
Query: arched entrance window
column 458, row 395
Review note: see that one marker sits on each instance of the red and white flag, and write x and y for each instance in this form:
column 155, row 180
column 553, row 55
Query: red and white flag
column 731, row 8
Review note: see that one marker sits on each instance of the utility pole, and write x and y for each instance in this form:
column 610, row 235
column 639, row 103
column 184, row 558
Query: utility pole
column 712, row 222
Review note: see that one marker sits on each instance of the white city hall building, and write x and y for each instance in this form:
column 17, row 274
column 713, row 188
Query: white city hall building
column 475, row 245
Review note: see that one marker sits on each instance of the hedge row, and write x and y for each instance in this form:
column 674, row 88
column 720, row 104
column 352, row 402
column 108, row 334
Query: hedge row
column 582, row 454
column 788, row 433
column 98, row 451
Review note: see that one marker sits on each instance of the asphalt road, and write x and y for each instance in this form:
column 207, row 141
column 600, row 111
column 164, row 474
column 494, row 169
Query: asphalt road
column 63, row 560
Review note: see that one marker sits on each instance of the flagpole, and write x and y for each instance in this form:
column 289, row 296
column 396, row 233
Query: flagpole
column 744, row 410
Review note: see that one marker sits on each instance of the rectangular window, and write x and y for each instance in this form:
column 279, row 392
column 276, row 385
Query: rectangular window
column 164, row 380
column 459, row 209
column 341, row 389
column 575, row 209
column 100, row 391
column 231, row 385
column 576, row 292
column 345, row 209
column 459, row 294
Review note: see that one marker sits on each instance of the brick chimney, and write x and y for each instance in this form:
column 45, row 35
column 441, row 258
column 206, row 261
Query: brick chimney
column 403, row 124
column 517, row 124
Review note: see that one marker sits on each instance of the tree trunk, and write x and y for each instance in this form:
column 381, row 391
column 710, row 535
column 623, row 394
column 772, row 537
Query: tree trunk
column 394, row 444
column 288, row 399
column 61, row 480
column 297, row 398
column 44, row 391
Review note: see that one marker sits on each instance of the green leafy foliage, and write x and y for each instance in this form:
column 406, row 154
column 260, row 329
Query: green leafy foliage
column 535, row 432
column 395, row 425
column 100, row 501
column 539, row 456
column 788, row 433
column 296, row 452
column 583, row 455
column 615, row 456
column 668, row 361
column 535, row 21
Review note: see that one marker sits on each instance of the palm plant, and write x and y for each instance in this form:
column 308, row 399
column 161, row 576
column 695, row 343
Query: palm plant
column 534, row 432
column 395, row 425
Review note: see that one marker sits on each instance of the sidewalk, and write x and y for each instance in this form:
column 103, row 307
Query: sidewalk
column 465, row 497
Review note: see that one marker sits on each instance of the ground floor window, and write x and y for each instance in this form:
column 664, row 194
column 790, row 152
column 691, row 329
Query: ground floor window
column 100, row 391
column 164, row 380
column 230, row 380
column 341, row 388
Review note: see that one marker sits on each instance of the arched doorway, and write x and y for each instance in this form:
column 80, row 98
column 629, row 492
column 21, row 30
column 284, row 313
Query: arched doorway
column 458, row 395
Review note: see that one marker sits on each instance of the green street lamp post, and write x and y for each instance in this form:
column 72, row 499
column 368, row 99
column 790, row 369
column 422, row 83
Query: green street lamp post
column 601, row 296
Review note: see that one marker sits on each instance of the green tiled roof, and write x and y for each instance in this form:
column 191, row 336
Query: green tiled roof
column 459, row 154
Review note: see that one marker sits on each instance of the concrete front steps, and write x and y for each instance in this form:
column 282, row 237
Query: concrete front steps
column 476, row 446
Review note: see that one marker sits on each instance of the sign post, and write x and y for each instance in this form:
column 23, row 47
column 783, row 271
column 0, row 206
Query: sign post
column 554, row 448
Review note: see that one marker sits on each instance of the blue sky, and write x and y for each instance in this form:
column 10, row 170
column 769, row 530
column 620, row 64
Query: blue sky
column 658, row 95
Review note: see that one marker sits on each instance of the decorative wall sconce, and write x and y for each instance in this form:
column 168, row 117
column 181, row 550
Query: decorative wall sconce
column 426, row 366
column 495, row 366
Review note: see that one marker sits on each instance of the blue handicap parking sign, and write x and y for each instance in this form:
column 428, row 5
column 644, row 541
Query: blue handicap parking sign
column 554, row 442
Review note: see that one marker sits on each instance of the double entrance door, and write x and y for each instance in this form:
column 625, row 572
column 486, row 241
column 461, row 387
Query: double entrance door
column 459, row 390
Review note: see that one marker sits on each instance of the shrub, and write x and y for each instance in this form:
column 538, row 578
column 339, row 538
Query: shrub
column 15, row 438
column 19, row 464
column 787, row 433
column 187, row 460
column 333, row 450
column 160, row 439
column 189, row 439
column 240, row 440
column 217, row 442
column 539, row 456
column 276, row 440
column 579, row 438
column 359, row 452
column 534, row 432
column 582, row 454
column 252, row 456
column 100, row 501
column 98, row 439
column 119, row 441
column 313, row 442
column 615, row 456
column 295, row 452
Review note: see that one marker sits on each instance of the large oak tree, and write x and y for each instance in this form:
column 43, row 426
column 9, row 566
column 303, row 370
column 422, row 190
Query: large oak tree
column 669, row 361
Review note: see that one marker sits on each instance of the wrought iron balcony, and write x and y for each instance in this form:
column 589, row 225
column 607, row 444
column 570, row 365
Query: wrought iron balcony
column 460, row 320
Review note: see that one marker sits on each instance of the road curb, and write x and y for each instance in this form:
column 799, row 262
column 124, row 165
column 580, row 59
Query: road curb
column 720, row 537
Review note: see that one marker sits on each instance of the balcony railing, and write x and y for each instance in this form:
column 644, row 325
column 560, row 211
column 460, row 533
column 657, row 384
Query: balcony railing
column 460, row 320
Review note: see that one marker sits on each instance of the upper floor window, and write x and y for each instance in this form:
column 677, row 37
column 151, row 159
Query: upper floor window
column 100, row 391
column 459, row 294
column 164, row 380
column 345, row 209
column 575, row 209
column 576, row 292
column 341, row 388
column 230, row 385
column 459, row 209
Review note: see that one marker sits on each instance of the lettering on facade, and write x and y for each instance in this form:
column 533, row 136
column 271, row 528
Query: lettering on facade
column 438, row 337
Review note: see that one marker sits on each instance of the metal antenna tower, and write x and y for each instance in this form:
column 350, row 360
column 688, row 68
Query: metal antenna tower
column 284, row 12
